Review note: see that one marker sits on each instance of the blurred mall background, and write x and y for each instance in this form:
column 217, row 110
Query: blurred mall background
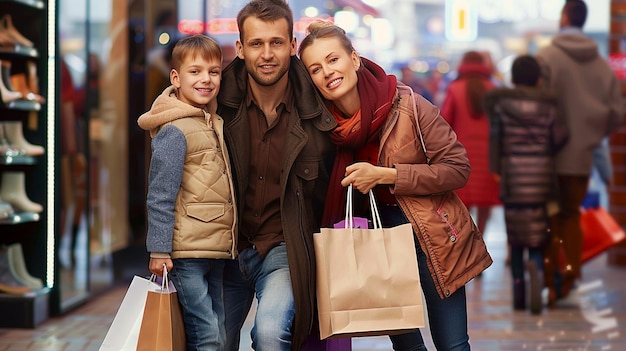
column 100, row 63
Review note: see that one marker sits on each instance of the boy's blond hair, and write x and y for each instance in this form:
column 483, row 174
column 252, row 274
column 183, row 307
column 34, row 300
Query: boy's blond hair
column 194, row 45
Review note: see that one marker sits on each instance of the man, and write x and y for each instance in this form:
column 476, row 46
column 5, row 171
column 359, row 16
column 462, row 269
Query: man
column 591, row 104
column 276, row 130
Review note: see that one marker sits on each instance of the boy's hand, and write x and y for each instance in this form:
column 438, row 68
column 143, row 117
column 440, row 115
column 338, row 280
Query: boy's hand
column 156, row 265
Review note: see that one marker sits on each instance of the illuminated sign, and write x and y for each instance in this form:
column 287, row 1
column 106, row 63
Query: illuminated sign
column 461, row 20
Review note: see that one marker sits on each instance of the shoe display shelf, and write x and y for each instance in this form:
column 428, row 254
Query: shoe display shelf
column 26, row 232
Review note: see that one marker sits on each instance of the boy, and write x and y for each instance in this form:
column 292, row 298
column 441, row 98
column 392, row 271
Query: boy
column 191, row 214
column 524, row 136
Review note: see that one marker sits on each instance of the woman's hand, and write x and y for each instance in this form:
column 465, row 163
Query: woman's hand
column 364, row 176
column 156, row 265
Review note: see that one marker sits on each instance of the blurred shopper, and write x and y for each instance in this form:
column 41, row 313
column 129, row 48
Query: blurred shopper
column 524, row 136
column 463, row 108
column 591, row 103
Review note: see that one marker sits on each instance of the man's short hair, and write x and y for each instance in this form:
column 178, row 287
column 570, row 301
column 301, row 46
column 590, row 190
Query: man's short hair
column 267, row 11
column 576, row 12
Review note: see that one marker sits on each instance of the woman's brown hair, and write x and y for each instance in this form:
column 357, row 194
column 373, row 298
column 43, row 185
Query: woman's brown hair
column 476, row 89
column 324, row 29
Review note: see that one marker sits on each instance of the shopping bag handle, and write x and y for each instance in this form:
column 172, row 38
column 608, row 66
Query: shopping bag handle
column 165, row 286
column 349, row 220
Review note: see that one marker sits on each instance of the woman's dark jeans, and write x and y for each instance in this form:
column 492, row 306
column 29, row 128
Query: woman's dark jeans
column 447, row 318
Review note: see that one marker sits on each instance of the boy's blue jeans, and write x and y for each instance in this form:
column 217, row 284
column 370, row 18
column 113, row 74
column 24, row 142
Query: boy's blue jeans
column 198, row 282
column 269, row 279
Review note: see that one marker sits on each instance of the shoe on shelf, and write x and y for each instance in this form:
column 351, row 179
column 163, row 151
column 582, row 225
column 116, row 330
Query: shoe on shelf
column 20, row 83
column 7, row 94
column 13, row 191
column 18, row 267
column 6, row 26
column 535, row 288
column 8, row 282
column 5, row 148
column 13, row 133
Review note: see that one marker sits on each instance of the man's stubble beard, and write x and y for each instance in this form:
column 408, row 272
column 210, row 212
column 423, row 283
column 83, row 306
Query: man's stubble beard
column 259, row 78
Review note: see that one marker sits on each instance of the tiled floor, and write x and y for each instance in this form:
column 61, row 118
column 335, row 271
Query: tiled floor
column 593, row 319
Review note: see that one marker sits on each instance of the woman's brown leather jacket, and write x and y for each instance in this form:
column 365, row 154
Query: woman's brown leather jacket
column 451, row 264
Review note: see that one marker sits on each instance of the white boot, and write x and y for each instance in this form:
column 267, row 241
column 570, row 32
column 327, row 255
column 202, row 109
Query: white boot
column 14, row 134
column 13, row 191
column 18, row 267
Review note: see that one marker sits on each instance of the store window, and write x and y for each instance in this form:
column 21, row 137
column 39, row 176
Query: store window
column 93, row 70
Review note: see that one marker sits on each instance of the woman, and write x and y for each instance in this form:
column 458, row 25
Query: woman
column 377, row 144
column 463, row 108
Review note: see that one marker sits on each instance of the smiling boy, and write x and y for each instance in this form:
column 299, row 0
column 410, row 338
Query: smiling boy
column 191, row 211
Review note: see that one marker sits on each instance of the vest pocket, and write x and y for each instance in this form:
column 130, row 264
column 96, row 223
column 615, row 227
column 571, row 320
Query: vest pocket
column 205, row 212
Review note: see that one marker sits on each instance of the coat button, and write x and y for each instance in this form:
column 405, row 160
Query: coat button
column 452, row 238
column 307, row 171
column 447, row 293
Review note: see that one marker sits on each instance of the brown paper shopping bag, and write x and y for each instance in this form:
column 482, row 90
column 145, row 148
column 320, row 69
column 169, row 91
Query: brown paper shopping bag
column 367, row 280
column 162, row 327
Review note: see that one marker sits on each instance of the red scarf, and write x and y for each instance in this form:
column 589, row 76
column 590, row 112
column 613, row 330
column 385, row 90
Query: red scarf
column 376, row 92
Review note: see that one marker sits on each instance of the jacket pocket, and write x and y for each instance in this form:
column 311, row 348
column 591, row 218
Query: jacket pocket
column 453, row 215
column 205, row 212
column 307, row 170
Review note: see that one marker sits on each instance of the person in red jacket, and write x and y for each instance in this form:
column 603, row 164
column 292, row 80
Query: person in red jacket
column 463, row 108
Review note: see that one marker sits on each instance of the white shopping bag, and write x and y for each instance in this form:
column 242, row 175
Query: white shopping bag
column 124, row 331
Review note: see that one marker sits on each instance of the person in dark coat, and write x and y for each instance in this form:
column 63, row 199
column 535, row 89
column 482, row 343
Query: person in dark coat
column 525, row 133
